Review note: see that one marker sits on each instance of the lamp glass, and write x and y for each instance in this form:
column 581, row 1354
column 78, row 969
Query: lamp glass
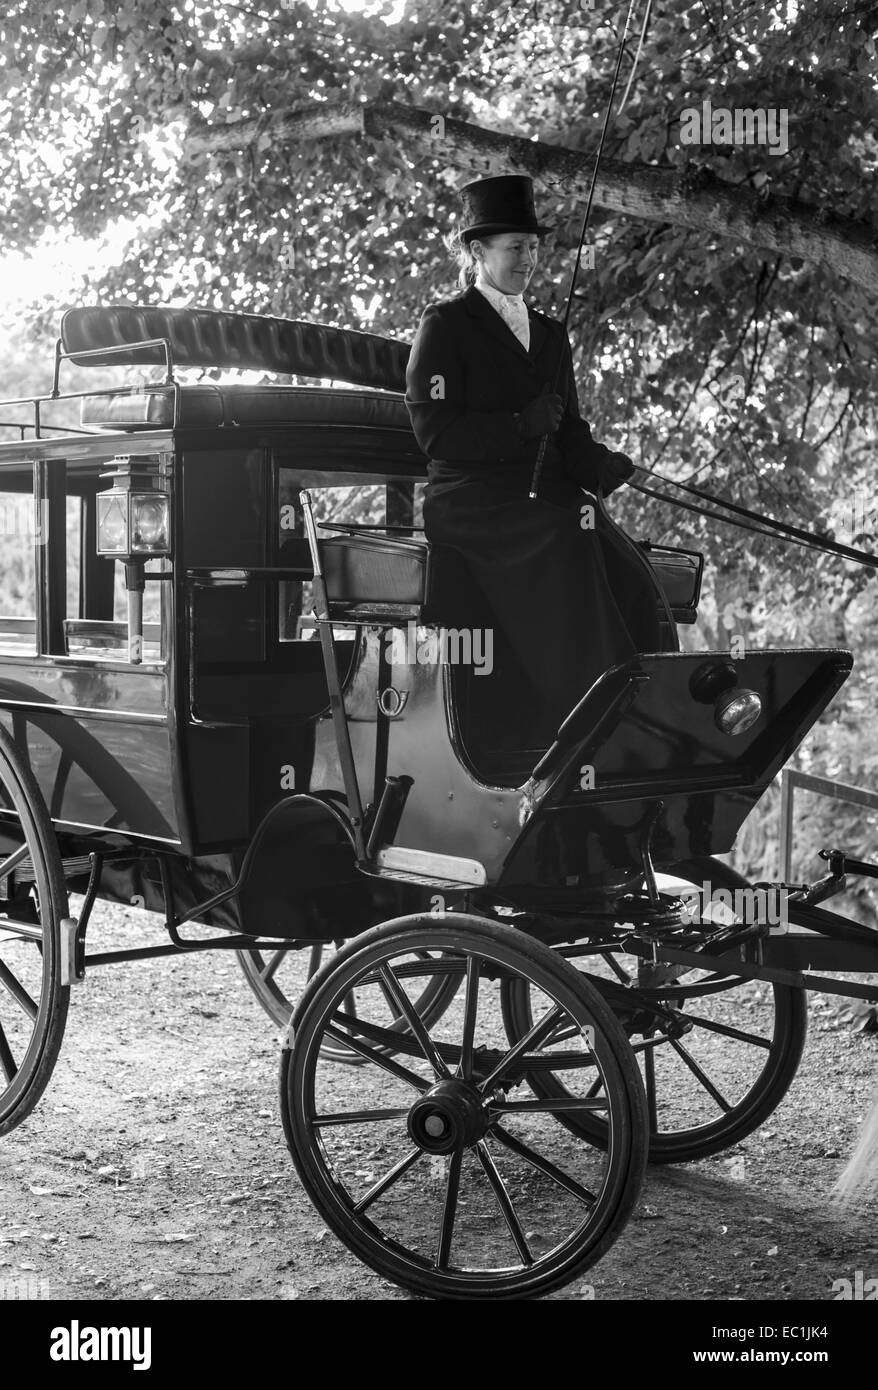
column 112, row 523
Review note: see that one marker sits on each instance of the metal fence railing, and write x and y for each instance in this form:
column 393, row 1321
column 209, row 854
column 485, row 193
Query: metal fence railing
column 791, row 781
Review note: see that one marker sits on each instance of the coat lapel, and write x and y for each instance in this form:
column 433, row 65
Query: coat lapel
column 492, row 323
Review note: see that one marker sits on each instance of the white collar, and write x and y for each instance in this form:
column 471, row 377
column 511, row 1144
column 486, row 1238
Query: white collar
column 515, row 301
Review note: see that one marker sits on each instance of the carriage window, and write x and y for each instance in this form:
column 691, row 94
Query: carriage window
column 362, row 503
column 18, row 537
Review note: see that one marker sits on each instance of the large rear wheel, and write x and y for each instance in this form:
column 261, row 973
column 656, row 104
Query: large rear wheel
column 33, row 903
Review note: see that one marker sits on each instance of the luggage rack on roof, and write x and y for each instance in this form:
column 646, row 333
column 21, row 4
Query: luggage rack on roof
column 137, row 335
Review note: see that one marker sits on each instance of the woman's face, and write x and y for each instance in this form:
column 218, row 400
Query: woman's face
column 507, row 260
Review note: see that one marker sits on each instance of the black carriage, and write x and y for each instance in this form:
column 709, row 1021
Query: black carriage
column 242, row 709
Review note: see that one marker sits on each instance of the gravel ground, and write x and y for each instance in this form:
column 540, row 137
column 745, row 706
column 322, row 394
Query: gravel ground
column 156, row 1167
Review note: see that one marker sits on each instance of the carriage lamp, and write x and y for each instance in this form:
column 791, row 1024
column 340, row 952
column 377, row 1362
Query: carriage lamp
column 134, row 525
column 735, row 709
column 134, row 514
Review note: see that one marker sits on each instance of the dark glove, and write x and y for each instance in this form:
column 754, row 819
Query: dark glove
column 542, row 416
column 615, row 470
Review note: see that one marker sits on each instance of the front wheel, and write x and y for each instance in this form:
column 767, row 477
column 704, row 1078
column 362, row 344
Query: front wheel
column 429, row 1165
column 33, row 903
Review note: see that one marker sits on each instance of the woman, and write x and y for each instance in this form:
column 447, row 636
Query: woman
column 480, row 395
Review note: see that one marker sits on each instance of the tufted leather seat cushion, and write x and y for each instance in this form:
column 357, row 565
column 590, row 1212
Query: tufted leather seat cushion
column 216, row 338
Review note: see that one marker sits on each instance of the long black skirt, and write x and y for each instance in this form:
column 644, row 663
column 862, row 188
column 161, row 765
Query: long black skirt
column 568, row 602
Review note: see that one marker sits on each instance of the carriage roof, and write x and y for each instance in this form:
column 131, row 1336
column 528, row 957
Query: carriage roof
column 363, row 422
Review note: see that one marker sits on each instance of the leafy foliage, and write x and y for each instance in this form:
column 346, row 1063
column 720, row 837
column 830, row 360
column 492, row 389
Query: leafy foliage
column 700, row 356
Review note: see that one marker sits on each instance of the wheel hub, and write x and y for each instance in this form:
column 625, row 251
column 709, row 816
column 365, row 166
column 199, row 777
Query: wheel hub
column 451, row 1115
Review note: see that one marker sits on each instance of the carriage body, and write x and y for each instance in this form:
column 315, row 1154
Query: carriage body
column 182, row 754
column 183, row 751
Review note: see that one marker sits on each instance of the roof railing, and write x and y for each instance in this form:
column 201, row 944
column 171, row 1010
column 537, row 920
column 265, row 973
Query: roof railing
column 36, row 402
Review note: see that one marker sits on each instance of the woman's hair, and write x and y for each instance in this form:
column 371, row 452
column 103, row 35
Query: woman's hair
column 461, row 252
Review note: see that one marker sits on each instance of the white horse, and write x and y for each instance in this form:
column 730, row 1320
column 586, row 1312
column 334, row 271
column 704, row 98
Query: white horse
column 859, row 1180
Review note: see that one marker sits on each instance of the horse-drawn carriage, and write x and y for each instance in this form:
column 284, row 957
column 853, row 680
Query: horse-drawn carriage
column 249, row 713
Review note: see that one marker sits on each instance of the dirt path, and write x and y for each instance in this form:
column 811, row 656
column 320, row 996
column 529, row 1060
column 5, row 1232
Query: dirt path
column 156, row 1165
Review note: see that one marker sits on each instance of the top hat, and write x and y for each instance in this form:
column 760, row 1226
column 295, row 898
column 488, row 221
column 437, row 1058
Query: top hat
column 501, row 204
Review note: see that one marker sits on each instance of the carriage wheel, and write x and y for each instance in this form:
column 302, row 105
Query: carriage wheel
column 274, row 976
column 33, row 901
column 718, row 1053
column 429, row 1165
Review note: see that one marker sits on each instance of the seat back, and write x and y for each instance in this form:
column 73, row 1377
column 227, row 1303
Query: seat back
column 370, row 571
column 679, row 573
column 370, row 574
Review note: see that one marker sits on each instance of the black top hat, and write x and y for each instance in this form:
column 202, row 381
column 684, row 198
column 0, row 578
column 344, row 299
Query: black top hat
column 501, row 204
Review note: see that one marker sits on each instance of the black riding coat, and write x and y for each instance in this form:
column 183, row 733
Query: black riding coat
column 568, row 604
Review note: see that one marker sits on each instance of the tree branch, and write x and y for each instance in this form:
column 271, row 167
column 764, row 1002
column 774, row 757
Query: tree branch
column 707, row 204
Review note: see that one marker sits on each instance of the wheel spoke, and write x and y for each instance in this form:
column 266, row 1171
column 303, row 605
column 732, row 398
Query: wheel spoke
column 533, row 1038
column 728, row 1032
column 700, row 1075
column 360, row 1117
column 617, row 969
column 563, row 1034
column 7, row 1061
column 17, row 990
column 470, row 1010
column 388, row 1064
column 14, row 859
column 415, row 1023
column 449, row 1210
column 388, row 1180
column 269, row 970
column 505, row 1203
column 543, row 1165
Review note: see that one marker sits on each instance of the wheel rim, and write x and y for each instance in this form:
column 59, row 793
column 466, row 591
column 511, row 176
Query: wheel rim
column 33, row 1003
column 716, row 1053
column 449, row 1151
